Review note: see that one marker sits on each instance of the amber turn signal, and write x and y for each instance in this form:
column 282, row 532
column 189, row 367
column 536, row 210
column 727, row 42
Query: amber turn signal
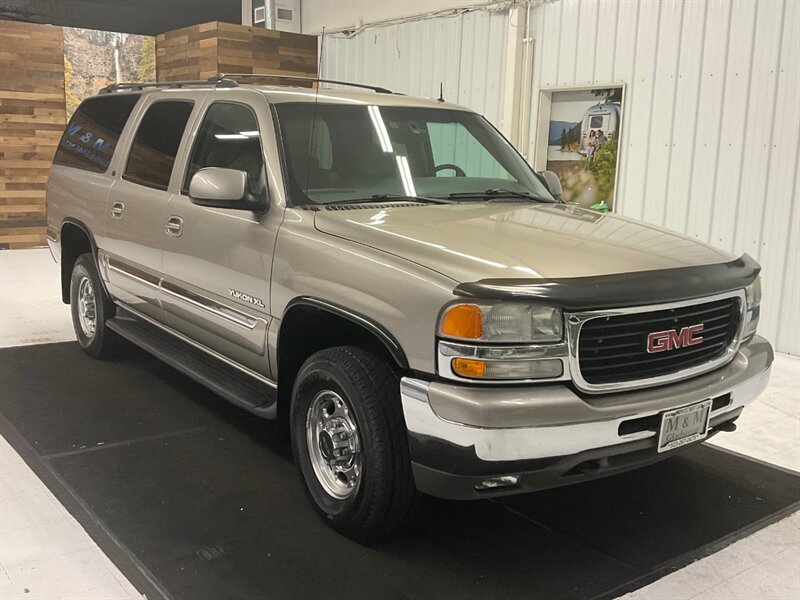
column 463, row 321
column 468, row 367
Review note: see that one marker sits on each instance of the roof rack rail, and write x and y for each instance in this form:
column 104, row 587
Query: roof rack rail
column 235, row 76
column 229, row 80
column 217, row 81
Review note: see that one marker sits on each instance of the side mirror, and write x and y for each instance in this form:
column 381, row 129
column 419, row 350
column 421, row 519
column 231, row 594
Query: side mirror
column 553, row 184
column 224, row 188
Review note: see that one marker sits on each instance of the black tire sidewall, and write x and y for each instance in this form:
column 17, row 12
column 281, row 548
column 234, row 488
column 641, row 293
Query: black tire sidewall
column 316, row 375
column 84, row 267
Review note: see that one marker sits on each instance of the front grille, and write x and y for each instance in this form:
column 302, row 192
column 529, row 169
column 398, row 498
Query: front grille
column 613, row 349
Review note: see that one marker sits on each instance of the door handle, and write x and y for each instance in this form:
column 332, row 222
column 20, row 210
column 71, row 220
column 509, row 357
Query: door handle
column 117, row 209
column 174, row 226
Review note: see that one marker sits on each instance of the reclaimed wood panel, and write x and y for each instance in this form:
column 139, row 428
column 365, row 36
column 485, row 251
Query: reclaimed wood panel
column 32, row 118
column 201, row 51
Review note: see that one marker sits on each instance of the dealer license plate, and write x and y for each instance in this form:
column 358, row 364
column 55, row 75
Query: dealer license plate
column 684, row 425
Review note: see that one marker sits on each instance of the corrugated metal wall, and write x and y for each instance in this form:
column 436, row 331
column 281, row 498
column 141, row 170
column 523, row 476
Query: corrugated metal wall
column 466, row 53
column 711, row 122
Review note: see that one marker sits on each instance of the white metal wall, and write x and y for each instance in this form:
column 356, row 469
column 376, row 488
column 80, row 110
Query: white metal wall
column 711, row 122
column 466, row 53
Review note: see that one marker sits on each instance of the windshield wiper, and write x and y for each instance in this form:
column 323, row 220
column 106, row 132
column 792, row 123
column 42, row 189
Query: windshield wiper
column 493, row 193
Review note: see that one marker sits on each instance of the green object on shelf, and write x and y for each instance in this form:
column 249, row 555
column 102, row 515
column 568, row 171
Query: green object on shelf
column 600, row 207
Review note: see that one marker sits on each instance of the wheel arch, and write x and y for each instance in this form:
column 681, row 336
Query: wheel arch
column 310, row 324
column 75, row 239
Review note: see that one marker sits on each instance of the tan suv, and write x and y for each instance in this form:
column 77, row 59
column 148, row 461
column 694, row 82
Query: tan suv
column 388, row 277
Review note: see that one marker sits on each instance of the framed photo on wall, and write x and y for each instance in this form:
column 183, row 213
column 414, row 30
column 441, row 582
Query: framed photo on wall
column 94, row 59
column 578, row 139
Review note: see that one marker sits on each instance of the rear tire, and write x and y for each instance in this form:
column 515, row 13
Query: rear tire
column 349, row 442
column 91, row 308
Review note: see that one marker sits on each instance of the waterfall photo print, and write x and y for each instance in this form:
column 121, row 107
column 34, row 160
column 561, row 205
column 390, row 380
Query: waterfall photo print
column 94, row 59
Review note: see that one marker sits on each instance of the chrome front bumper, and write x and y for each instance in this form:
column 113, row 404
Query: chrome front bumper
column 461, row 434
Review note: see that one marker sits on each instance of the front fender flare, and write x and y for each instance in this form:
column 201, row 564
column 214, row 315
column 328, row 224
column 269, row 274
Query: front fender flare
column 380, row 332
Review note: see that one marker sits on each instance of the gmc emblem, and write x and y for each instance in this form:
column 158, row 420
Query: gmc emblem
column 661, row 341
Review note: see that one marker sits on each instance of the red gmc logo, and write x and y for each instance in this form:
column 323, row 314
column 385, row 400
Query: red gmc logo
column 661, row 341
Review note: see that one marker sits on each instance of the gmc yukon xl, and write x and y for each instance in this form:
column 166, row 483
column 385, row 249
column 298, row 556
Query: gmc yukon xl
column 391, row 280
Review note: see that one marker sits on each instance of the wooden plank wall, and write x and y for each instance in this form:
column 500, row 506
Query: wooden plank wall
column 32, row 118
column 32, row 102
column 200, row 51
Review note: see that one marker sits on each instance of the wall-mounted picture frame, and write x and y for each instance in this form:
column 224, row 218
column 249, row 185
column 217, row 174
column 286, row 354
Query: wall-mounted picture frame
column 578, row 133
column 94, row 59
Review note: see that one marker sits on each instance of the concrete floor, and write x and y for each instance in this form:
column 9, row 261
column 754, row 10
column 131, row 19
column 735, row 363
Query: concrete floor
column 45, row 554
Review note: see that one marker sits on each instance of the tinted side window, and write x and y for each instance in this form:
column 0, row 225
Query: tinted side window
column 91, row 137
column 228, row 138
column 156, row 143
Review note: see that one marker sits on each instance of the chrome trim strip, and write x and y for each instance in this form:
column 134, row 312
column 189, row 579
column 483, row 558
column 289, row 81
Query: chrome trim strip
column 526, row 352
column 576, row 321
column 447, row 351
column 205, row 349
column 415, row 389
column 102, row 265
column 215, row 308
column 102, row 268
column 132, row 272
column 223, row 311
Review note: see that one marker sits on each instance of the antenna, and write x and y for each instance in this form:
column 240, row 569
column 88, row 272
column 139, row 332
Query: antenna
column 313, row 138
column 441, row 91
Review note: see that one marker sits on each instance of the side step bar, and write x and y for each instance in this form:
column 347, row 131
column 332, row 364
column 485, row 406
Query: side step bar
column 222, row 379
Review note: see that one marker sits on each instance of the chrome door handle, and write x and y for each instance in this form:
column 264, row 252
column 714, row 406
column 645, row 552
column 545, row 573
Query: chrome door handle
column 174, row 226
column 117, row 209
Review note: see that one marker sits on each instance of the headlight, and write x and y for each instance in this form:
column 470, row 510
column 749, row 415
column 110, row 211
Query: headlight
column 753, row 295
column 504, row 322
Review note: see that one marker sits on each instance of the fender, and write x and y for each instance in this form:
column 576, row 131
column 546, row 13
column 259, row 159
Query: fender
column 373, row 327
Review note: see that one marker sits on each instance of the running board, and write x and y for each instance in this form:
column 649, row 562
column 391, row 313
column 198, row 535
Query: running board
column 227, row 381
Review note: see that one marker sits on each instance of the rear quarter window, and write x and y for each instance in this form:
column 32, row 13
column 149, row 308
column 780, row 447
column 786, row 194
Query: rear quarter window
column 156, row 143
column 91, row 137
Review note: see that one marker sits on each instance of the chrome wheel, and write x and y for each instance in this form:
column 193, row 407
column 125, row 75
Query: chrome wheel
column 334, row 446
column 87, row 307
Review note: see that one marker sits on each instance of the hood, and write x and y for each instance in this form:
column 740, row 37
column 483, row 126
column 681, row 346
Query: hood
column 473, row 241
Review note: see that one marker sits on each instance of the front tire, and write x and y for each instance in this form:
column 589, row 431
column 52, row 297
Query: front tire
column 349, row 442
column 91, row 308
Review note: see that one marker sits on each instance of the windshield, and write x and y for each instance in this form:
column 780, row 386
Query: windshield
column 340, row 153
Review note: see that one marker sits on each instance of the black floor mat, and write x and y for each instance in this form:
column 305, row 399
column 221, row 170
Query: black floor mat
column 195, row 499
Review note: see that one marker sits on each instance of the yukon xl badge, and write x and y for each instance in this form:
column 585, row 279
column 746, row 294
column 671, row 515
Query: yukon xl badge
column 246, row 298
column 661, row 341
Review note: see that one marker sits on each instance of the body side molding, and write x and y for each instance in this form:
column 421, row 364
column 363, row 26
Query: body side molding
column 224, row 311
